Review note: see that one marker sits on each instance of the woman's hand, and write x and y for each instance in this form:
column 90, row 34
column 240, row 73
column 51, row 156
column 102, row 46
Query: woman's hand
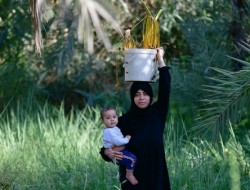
column 109, row 152
column 159, row 56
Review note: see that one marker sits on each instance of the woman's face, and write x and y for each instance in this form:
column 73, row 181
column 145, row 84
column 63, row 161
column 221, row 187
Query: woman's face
column 141, row 99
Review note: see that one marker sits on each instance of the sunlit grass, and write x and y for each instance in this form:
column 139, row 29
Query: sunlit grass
column 48, row 150
column 41, row 148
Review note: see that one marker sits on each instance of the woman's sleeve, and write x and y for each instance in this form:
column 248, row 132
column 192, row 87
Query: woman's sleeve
column 164, row 91
column 104, row 157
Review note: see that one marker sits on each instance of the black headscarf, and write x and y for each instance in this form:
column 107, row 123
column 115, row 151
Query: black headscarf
column 140, row 85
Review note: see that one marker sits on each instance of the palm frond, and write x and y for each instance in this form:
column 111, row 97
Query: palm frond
column 90, row 20
column 90, row 15
column 225, row 102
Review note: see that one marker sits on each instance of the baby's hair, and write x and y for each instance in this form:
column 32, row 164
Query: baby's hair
column 106, row 108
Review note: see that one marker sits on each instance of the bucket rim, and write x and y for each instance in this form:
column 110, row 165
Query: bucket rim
column 140, row 50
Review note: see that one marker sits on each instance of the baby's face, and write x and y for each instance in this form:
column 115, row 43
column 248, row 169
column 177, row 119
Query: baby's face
column 110, row 118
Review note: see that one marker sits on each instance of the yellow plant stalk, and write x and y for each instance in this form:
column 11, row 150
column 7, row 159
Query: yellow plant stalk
column 151, row 30
column 151, row 33
column 128, row 40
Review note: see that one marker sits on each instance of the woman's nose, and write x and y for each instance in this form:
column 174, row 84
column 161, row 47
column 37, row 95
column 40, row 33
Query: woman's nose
column 141, row 96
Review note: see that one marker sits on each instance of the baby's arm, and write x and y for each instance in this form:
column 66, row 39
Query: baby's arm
column 119, row 141
column 116, row 138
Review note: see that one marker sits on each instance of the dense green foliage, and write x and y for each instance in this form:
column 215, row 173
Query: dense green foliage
column 196, row 35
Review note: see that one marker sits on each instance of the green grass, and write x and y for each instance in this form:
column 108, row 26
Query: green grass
column 41, row 148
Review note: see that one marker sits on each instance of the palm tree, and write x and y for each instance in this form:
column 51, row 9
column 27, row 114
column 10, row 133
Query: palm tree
column 227, row 100
column 225, row 97
column 88, row 13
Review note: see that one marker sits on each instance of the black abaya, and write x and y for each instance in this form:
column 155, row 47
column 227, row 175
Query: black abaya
column 146, row 128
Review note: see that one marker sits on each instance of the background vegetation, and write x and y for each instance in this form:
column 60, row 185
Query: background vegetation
column 49, row 100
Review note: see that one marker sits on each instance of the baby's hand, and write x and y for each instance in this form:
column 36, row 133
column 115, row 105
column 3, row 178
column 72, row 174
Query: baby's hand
column 128, row 137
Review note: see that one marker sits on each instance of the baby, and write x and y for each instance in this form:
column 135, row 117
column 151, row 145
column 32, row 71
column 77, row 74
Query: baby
column 112, row 136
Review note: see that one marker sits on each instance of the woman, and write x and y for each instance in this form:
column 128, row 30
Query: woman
column 145, row 122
